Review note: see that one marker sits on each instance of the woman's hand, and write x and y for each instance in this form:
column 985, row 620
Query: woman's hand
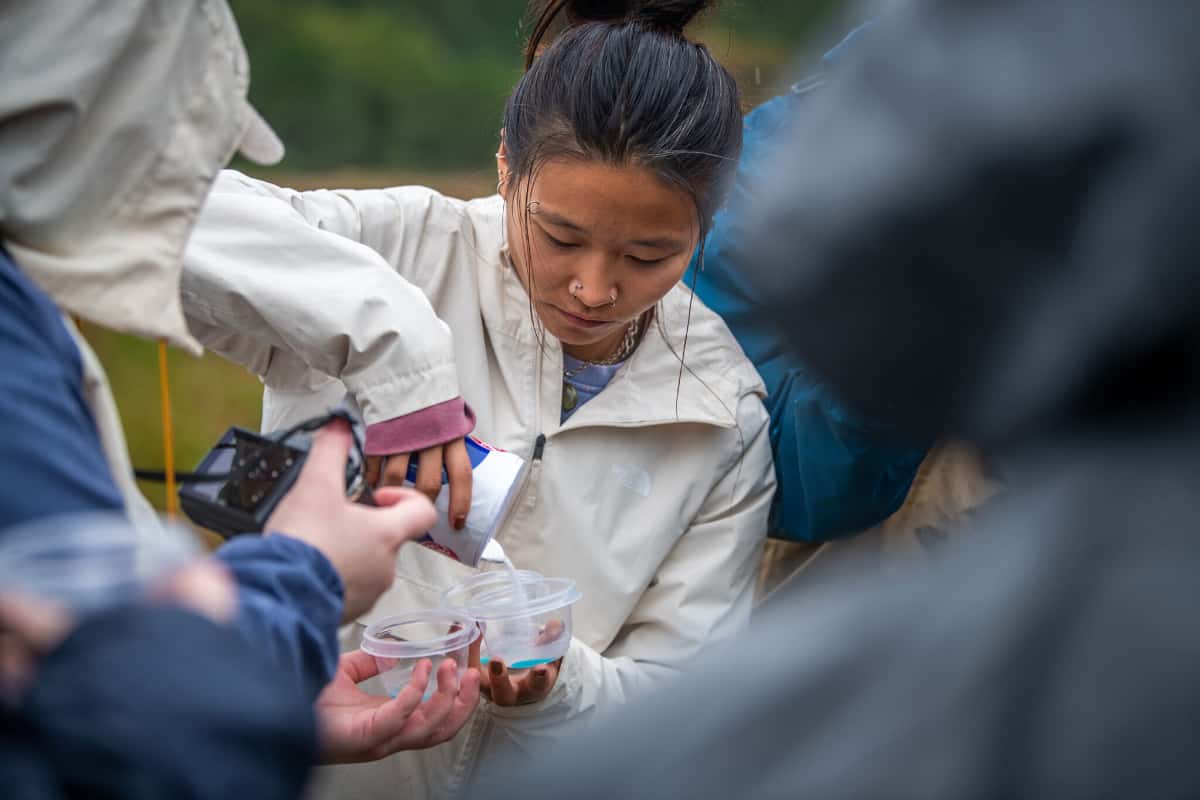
column 452, row 457
column 356, row 726
column 531, row 686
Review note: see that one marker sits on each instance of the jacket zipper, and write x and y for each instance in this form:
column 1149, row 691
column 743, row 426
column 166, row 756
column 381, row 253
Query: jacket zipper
column 529, row 489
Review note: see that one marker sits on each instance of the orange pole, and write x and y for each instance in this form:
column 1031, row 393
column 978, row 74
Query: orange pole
column 168, row 430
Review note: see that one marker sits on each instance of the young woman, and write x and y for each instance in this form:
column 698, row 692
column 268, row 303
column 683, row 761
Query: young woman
column 552, row 317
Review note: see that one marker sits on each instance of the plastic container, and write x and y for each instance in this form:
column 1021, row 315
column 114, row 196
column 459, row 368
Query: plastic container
column 525, row 617
column 399, row 643
column 495, row 476
column 91, row 561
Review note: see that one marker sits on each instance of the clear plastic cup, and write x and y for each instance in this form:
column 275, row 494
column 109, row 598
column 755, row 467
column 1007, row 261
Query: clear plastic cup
column 525, row 622
column 91, row 561
column 398, row 643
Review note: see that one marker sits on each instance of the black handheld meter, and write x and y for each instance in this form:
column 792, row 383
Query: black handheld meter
column 237, row 485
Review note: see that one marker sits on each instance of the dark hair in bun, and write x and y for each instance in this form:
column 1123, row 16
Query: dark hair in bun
column 666, row 15
column 622, row 85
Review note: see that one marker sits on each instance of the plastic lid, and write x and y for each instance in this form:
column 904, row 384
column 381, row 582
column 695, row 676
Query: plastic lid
column 489, row 595
column 379, row 640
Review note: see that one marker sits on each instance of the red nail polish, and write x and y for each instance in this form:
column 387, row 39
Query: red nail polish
column 460, row 522
column 497, row 668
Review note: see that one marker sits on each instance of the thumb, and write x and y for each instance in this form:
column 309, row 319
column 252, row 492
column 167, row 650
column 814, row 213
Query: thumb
column 358, row 665
column 402, row 514
column 325, row 467
column 394, row 495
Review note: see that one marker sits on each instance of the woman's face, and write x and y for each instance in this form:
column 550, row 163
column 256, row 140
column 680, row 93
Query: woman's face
column 604, row 244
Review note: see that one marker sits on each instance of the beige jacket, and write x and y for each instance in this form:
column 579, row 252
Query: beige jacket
column 114, row 120
column 653, row 500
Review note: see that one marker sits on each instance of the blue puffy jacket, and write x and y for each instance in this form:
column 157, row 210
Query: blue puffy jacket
column 839, row 472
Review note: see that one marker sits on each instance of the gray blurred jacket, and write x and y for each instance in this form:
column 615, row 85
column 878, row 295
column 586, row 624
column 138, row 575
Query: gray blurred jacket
column 1000, row 211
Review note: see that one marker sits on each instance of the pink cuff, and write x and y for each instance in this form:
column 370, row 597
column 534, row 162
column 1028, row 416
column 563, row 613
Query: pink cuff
column 422, row 429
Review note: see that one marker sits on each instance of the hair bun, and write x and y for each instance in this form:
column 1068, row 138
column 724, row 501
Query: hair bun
column 580, row 11
column 669, row 15
column 549, row 18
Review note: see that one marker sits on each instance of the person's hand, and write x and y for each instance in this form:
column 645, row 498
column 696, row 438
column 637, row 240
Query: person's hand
column 30, row 627
column 392, row 471
column 528, row 686
column 360, row 541
column 356, row 726
column 204, row 586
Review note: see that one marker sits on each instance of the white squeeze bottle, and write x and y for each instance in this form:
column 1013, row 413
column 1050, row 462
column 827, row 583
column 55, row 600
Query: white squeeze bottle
column 495, row 476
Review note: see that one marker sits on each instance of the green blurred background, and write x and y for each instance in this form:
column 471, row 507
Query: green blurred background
column 383, row 92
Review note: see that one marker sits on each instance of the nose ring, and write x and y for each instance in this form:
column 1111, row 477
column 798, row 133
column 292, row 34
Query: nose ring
column 577, row 287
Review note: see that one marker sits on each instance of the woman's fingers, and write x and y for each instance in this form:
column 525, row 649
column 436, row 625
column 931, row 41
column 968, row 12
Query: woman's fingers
column 372, row 468
column 503, row 692
column 499, row 686
column 452, row 458
column 395, row 470
column 536, row 684
column 429, row 472
column 458, row 473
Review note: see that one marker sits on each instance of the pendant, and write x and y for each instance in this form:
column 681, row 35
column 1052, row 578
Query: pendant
column 570, row 397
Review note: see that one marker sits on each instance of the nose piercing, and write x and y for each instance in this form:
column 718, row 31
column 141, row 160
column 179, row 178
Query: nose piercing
column 577, row 287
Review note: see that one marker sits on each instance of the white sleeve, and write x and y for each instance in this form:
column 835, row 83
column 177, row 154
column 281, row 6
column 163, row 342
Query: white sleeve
column 271, row 271
column 703, row 591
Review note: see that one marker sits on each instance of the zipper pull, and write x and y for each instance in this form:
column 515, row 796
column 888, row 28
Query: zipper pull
column 538, row 446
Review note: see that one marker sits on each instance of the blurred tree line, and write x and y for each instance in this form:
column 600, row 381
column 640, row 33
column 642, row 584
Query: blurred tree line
column 420, row 84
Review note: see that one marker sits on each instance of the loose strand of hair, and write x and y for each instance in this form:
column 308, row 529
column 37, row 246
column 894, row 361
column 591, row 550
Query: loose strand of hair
column 681, row 356
column 546, row 19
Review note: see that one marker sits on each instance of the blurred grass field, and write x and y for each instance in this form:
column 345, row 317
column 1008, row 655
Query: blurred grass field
column 208, row 394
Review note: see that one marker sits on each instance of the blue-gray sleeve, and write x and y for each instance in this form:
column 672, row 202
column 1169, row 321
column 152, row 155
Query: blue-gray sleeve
column 290, row 602
column 158, row 702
